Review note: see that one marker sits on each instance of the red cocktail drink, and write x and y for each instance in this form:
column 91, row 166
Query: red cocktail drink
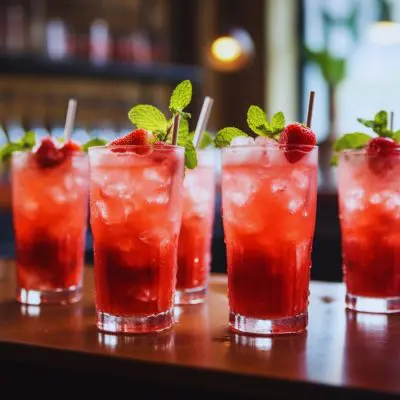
column 369, row 199
column 135, row 208
column 269, row 207
column 50, row 217
column 194, row 251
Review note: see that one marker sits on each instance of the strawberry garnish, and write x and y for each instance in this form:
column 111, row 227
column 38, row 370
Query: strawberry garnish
column 49, row 154
column 297, row 140
column 70, row 147
column 381, row 151
column 138, row 137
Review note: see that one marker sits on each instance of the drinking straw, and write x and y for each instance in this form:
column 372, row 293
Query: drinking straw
column 391, row 120
column 70, row 119
column 175, row 129
column 203, row 120
column 310, row 108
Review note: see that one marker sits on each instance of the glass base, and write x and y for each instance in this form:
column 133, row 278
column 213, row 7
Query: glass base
column 268, row 327
column 134, row 324
column 385, row 305
column 59, row 296
column 190, row 296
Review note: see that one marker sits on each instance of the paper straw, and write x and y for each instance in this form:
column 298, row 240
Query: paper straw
column 310, row 108
column 70, row 119
column 175, row 129
column 203, row 120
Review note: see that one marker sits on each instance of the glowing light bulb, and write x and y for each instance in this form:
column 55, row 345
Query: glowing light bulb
column 226, row 49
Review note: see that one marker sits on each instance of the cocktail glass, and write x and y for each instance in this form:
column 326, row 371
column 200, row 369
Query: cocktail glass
column 194, row 250
column 50, row 218
column 135, row 212
column 369, row 202
column 269, row 207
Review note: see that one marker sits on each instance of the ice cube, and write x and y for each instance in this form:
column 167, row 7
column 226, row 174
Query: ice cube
column 375, row 198
column 156, row 175
column 296, row 204
column 301, row 178
column 354, row 199
column 264, row 141
column 241, row 187
column 392, row 200
column 113, row 212
column 242, row 141
column 158, row 197
column 59, row 195
column 278, row 185
column 118, row 189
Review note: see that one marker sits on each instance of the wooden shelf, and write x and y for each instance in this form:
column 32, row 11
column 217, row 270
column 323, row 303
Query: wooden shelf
column 152, row 73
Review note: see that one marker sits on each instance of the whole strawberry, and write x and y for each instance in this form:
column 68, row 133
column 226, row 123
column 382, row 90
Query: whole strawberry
column 298, row 140
column 138, row 137
column 381, row 151
column 48, row 154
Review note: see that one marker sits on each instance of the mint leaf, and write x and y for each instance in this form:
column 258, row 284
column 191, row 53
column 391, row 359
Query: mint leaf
column 181, row 97
column 379, row 125
column 190, row 151
column 381, row 119
column 190, row 155
column 366, row 122
column 226, row 135
column 28, row 140
column 96, row 141
column 355, row 140
column 148, row 117
column 396, row 136
column 207, row 140
column 334, row 160
column 257, row 121
column 183, row 128
column 9, row 148
column 278, row 122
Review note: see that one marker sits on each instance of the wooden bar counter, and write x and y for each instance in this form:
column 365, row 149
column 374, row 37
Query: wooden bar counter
column 342, row 355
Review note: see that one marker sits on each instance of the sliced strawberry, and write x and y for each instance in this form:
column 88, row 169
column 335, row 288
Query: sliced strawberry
column 382, row 154
column 138, row 137
column 48, row 154
column 70, row 147
column 297, row 140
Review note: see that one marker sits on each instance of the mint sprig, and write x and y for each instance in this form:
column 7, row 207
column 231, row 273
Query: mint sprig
column 225, row 136
column 349, row 141
column 148, row 117
column 25, row 143
column 379, row 124
column 358, row 140
column 259, row 124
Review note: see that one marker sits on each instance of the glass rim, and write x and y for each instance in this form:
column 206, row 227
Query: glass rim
column 19, row 153
column 360, row 152
column 298, row 147
column 134, row 146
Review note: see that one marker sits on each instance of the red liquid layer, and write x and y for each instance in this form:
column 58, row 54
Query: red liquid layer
column 50, row 217
column 45, row 263
column 134, row 284
column 371, row 268
column 193, row 254
column 268, row 285
column 269, row 217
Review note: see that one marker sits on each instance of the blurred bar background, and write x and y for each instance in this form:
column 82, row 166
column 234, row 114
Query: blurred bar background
column 113, row 54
